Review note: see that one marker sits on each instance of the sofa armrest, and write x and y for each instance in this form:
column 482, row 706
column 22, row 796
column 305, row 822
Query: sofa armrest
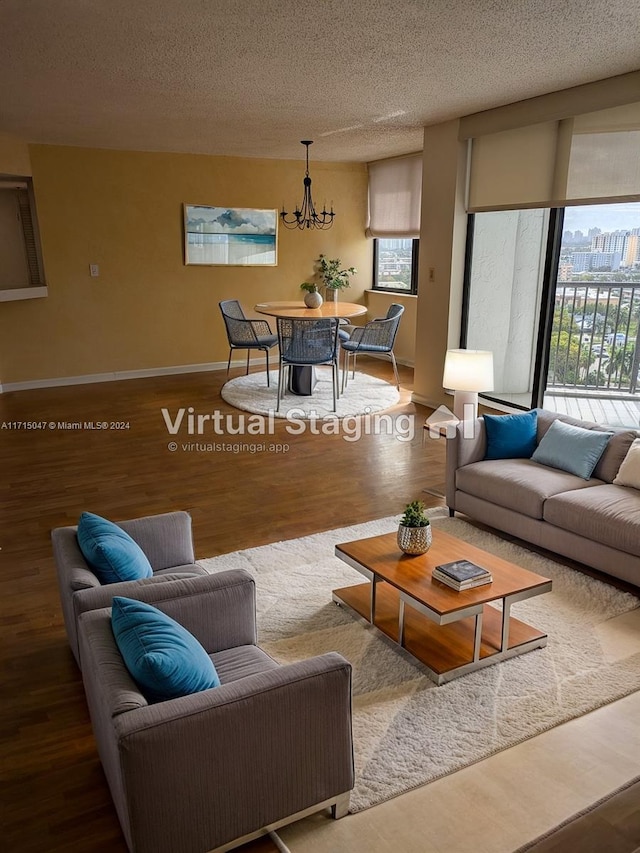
column 468, row 445
column 96, row 598
column 242, row 755
column 219, row 609
column 71, row 567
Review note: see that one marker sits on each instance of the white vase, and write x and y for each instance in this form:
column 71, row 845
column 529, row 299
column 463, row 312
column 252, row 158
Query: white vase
column 313, row 299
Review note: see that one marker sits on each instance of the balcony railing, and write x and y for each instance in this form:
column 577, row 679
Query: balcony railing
column 595, row 339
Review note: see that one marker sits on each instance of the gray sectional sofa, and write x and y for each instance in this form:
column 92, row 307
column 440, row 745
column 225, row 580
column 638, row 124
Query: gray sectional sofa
column 591, row 521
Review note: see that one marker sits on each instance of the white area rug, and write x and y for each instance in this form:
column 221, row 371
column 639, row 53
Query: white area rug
column 408, row 731
column 363, row 395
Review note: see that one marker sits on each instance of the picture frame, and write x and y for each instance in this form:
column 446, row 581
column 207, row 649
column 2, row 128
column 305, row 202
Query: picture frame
column 230, row 236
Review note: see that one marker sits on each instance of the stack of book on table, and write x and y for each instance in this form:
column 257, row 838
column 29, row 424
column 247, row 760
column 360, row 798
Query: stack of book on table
column 461, row 574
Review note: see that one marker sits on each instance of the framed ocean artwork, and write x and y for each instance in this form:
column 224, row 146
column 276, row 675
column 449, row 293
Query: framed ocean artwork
column 230, row 236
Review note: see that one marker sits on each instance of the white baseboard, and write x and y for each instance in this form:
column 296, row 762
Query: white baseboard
column 435, row 404
column 425, row 401
column 382, row 357
column 118, row 375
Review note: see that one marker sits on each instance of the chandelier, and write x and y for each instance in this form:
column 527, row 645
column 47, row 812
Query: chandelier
column 306, row 215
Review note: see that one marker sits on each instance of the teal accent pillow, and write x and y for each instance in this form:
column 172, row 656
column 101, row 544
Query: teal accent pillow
column 511, row 436
column 112, row 554
column 164, row 659
column 571, row 448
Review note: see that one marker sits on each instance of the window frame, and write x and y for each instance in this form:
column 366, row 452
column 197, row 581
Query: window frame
column 415, row 251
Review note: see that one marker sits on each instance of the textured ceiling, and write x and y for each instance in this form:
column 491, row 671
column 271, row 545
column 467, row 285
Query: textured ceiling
column 253, row 77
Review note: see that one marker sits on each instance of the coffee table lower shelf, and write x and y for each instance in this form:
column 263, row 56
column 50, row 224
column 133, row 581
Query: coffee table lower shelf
column 447, row 651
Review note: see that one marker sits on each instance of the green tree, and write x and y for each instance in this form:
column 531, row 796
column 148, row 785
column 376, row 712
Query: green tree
column 564, row 359
column 621, row 362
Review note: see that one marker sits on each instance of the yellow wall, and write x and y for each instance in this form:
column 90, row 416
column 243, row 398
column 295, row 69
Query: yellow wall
column 123, row 211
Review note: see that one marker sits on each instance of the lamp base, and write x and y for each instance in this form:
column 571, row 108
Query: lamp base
column 465, row 405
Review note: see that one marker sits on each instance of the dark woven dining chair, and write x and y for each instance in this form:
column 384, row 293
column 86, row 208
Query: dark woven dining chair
column 246, row 334
column 307, row 343
column 376, row 338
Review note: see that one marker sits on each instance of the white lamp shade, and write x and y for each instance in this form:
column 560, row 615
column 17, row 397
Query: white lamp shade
column 468, row 370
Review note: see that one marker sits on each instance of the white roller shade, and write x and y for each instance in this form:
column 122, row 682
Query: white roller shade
column 604, row 161
column 513, row 169
column 592, row 158
column 395, row 197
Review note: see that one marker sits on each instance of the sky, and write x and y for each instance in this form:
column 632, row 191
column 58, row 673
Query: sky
column 606, row 217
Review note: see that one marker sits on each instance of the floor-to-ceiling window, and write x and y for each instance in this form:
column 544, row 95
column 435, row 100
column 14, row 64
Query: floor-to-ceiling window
column 506, row 261
column 555, row 294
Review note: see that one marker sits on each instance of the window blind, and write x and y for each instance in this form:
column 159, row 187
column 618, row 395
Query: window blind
column 604, row 160
column 591, row 158
column 395, row 197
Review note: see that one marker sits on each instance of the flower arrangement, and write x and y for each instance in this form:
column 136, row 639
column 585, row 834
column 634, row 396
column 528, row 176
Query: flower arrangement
column 333, row 277
column 330, row 274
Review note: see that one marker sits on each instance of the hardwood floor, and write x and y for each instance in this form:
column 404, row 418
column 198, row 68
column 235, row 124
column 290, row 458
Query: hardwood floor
column 54, row 792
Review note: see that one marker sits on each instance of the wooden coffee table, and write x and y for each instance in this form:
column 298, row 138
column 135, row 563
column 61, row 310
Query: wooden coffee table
column 451, row 633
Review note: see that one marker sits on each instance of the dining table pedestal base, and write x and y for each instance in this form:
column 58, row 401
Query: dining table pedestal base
column 302, row 380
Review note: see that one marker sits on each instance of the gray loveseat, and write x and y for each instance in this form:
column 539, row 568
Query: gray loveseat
column 591, row 521
column 166, row 540
column 206, row 771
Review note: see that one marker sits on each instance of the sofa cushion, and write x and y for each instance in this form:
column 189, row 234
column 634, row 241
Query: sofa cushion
column 571, row 448
column 164, row 659
column 608, row 514
column 614, row 452
column 629, row 472
column 240, row 662
column 518, row 484
column 511, row 436
column 112, row 554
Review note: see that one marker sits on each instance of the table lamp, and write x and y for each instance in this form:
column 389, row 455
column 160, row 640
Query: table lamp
column 467, row 371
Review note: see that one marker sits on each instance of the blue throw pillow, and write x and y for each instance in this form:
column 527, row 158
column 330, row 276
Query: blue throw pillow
column 511, row 436
column 112, row 554
column 164, row 659
column 571, row 448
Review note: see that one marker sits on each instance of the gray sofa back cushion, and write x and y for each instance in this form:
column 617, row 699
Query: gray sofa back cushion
column 614, row 452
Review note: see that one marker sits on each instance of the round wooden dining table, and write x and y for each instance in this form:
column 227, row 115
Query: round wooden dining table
column 302, row 378
column 292, row 310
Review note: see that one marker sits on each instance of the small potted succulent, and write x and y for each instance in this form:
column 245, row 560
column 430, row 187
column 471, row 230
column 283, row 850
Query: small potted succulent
column 312, row 296
column 414, row 530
